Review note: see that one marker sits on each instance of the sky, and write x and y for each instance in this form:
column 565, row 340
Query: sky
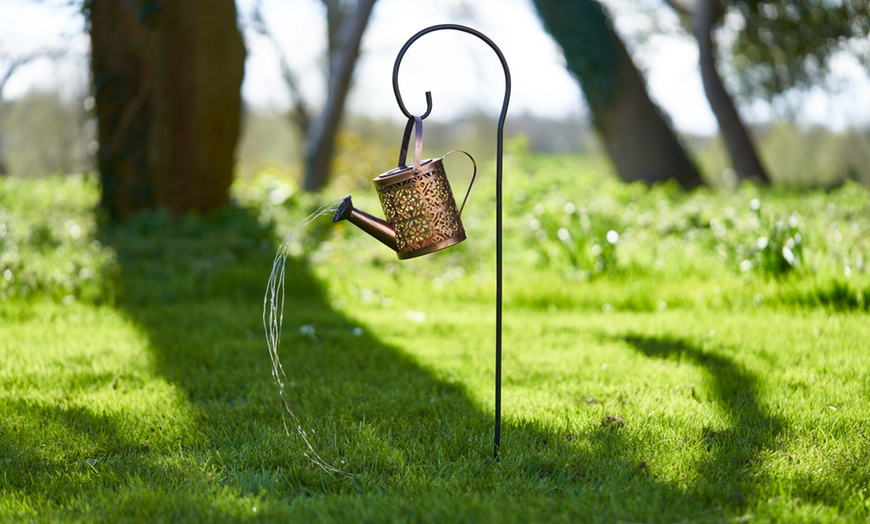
column 462, row 73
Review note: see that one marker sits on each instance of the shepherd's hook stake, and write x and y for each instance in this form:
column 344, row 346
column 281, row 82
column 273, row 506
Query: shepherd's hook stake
column 498, row 194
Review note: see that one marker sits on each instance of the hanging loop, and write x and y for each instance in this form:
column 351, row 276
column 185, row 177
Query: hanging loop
column 416, row 121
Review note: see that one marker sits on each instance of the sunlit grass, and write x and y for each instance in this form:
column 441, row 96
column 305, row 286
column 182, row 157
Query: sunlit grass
column 660, row 377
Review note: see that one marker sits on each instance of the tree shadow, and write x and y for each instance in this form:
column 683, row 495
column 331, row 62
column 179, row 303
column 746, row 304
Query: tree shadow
column 56, row 458
column 37, row 466
column 733, row 454
column 196, row 288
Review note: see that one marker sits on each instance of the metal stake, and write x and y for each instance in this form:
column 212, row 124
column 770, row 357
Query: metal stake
column 498, row 195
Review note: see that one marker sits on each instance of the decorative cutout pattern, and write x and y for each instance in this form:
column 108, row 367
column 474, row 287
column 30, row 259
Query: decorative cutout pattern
column 421, row 209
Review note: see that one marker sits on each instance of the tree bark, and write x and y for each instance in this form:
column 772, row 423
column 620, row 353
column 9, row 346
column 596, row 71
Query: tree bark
column 198, row 58
column 638, row 139
column 744, row 157
column 320, row 141
column 123, row 101
column 636, row 135
column 167, row 82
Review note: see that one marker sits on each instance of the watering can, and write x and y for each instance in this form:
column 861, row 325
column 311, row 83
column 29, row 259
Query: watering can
column 420, row 211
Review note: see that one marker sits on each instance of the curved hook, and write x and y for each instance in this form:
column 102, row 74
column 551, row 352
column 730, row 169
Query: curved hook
column 456, row 27
column 428, row 106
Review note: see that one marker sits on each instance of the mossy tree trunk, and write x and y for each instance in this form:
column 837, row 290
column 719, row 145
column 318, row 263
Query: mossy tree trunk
column 122, row 91
column 167, row 80
column 638, row 139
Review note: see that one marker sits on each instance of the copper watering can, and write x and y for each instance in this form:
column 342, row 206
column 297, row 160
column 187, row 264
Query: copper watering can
column 421, row 214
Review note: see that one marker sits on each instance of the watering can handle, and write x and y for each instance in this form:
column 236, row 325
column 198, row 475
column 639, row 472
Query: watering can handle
column 416, row 122
column 473, row 174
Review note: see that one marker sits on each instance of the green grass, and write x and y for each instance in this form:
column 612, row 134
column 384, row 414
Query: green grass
column 683, row 372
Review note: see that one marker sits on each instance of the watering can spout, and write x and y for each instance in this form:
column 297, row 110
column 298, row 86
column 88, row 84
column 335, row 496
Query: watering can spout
column 382, row 230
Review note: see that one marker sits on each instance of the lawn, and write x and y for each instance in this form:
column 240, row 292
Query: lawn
column 669, row 356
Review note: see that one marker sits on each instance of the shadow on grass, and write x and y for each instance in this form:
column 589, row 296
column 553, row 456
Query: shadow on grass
column 196, row 289
column 733, row 459
column 37, row 463
column 419, row 446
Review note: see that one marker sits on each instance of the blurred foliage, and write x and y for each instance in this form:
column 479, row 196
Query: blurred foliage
column 568, row 220
column 582, row 221
column 267, row 140
column 49, row 242
column 796, row 157
column 816, row 156
column 359, row 159
column 782, row 45
column 45, row 133
column 367, row 146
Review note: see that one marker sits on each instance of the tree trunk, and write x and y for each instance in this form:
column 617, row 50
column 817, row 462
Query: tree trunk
column 320, row 142
column 638, row 139
column 167, row 81
column 122, row 91
column 744, row 158
column 198, row 61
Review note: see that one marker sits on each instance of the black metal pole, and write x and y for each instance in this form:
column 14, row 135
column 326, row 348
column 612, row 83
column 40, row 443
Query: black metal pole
column 498, row 194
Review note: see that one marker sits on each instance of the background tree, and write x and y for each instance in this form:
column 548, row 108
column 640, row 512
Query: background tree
column 637, row 138
column 167, row 84
column 779, row 46
column 198, row 66
column 701, row 21
column 346, row 23
column 122, row 93
column 783, row 45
